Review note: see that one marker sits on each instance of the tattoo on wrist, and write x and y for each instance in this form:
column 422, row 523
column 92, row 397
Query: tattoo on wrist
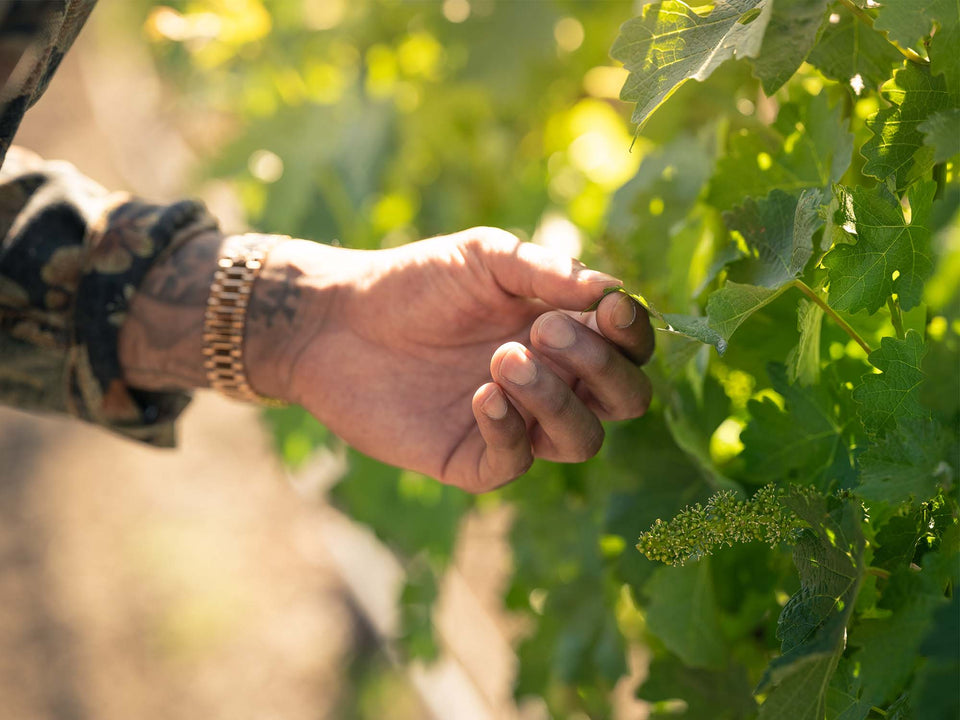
column 276, row 299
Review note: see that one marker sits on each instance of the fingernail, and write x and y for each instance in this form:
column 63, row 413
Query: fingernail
column 556, row 331
column 593, row 276
column 518, row 367
column 495, row 406
column 624, row 312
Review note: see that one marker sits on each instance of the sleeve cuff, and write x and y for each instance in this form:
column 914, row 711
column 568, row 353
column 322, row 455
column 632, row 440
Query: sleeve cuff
column 121, row 246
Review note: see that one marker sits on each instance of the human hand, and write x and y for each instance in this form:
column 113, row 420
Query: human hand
column 451, row 356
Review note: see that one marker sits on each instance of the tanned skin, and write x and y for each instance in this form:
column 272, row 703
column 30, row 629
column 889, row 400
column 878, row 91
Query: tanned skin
column 463, row 357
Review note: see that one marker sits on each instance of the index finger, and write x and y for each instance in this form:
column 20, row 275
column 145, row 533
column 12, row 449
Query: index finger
column 529, row 270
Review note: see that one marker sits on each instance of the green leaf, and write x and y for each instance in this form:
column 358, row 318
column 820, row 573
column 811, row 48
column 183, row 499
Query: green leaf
column 896, row 543
column 889, row 256
column 779, row 230
column 808, row 146
column 894, row 393
column 693, row 418
column 935, row 691
column 907, row 463
column 798, row 20
column 888, row 647
column 803, row 362
column 801, row 695
column 843, row 695
column 682, row 613
column 805, row 443
column 707, row 694
column 897, row 147
column 941, row 131
column 848, row 48
column 670, row 44
column 813, row 622
column 731, row 306
column 697, row 328
column 910, row 23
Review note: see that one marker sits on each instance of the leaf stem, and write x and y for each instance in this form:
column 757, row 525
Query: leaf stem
column 940, row 176
column 878, row 572
column 844, row 325
column 896, row 317
column 867, row 18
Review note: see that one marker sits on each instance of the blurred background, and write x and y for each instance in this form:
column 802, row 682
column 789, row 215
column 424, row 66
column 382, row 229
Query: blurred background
column 223, row 580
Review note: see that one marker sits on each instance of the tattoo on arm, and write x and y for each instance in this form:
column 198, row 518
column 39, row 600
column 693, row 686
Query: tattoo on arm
column 276, row 297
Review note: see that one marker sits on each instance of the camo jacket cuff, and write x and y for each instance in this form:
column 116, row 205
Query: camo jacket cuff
column 72, row 257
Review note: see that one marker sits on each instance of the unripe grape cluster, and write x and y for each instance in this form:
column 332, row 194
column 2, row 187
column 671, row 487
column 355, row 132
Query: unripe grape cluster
column 698, row 530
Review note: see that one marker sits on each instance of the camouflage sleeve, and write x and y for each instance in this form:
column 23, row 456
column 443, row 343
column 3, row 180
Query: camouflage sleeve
column 71, row 257
column 71, row 254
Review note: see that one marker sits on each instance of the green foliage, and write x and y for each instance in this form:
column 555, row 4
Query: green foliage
column 890, row 255
column 795, row 209
column 897, row 146
column 895, row 392
column 671, row 43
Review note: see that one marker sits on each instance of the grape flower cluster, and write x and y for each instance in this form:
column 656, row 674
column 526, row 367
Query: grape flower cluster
column 698, row 530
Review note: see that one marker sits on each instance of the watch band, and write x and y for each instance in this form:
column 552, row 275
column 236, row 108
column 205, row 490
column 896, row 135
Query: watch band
column 241, row 259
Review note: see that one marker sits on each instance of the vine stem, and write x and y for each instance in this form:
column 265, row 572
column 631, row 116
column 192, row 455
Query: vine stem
column 867, row 18
column 878, row 572
column 896, row 317
column 844, row 325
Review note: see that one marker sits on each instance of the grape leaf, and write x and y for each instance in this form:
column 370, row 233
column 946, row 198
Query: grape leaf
column 888, row 646
column 805, row 443
column 896, row 543
column 909, row 23
column 894, row 393
column 779, row 230
column 696, row 327
column 708, row 695
column 941, row 131
column 906, row 463
column 896, row 148
column 798, row 20
column 813, row 623
column 670, row 44
column 890, row 255
column 682, row 613
column 848, row 48
column 935, row 691
column 730, row 306
column 808, row 146
column 843, row 695
column 803, row 362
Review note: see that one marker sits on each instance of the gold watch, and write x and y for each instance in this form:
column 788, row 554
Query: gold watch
column 241, row 259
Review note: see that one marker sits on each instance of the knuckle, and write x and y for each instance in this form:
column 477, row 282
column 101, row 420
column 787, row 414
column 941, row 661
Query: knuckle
column 491, row 238
column 602, row 362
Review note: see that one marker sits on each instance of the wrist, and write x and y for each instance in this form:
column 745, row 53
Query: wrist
column 289, row 306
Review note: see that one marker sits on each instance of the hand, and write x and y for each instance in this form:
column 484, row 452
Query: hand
column 451, row 356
